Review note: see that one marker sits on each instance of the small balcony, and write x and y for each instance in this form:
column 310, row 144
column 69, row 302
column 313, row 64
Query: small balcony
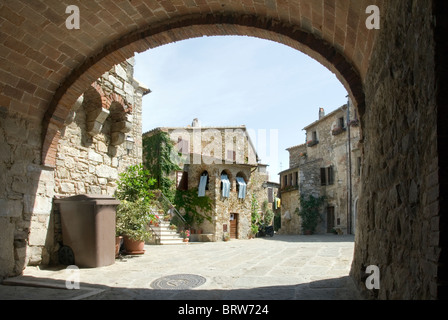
column 337, row 131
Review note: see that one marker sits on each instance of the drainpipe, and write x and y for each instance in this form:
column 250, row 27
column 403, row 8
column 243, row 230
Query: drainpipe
column 349, row 178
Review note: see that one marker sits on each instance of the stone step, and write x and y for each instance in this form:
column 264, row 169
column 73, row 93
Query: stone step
column 166, row 235
column 165, row 231
column 172, row 241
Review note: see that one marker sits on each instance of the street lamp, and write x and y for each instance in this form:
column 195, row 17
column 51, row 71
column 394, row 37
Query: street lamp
column 129, row 144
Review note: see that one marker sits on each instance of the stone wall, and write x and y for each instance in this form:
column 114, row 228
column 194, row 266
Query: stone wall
column 29, row 231
column 398, row 208
column 90, row 162
column 92, row 151
column 296, row 155
column 26, row 196
column 290, row 220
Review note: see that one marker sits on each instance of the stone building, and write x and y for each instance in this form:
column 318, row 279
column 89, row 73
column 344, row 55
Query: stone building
column 328, row 164
column 101, row 137
column 395, row 74
column 222, row 164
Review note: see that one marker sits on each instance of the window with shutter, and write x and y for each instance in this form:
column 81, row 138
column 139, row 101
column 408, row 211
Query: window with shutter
column 323, row 177
column 330, row 176
column 231, row 155
column 182, row 180
column 270, row 195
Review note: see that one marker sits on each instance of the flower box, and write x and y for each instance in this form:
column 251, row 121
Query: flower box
column 354, row 123
column 312, row 143
column 338, row 130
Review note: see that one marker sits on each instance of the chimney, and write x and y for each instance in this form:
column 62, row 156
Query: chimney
column 321, row 113
column 195, row 123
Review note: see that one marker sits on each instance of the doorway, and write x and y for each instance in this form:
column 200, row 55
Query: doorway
column 234, row 226
column 330, row 219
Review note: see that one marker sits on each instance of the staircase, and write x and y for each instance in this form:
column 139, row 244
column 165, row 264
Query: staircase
column 165, row 235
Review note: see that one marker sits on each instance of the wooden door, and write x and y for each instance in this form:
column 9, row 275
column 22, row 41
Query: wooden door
column 233, row 226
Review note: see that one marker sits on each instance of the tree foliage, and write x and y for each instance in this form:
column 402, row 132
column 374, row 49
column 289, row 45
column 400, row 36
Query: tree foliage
column 196, row 208
column 136, row 197
column 309, row 212
column 135, row 184
column 158, row 151
column 255, row 214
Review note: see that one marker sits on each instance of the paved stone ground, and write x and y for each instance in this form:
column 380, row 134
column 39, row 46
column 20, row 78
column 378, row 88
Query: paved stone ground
column 279, row 268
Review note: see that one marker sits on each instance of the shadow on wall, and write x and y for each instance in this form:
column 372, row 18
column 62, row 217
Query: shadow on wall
column 26, row 196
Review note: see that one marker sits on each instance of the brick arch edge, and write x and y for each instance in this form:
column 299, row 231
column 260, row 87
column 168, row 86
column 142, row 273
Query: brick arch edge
column 183, row 28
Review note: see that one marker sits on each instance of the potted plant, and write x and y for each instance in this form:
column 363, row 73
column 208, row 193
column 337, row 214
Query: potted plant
column 118, row 239
column 185, row 234
column 132, row 222
column 226, row 236
column 133, row 213
column 253, row 231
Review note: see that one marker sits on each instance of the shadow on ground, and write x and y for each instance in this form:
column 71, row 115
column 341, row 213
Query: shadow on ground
column 311, row 238
column 32, row 288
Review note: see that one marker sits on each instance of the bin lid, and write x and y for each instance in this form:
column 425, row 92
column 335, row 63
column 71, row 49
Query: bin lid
column 99, row 199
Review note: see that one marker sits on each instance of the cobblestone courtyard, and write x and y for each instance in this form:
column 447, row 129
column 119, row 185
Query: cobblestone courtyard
column 278, row 268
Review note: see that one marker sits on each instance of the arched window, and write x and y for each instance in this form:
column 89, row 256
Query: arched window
column 203, row 183
column 241, row 186
column 225, row 184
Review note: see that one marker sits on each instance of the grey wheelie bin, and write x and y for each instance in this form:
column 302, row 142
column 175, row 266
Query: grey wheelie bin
column 88, row 230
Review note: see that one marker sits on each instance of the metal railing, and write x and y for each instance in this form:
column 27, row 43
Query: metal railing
column 164, row 207
column 171, row 209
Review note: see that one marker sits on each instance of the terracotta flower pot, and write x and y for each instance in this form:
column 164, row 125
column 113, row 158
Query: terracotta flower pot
column 134, row 246
column 186, row 240
column 117, row 245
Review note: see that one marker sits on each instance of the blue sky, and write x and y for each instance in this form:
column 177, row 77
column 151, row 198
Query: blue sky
column 231, row 81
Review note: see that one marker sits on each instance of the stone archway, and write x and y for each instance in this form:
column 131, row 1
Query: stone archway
column 195, row 26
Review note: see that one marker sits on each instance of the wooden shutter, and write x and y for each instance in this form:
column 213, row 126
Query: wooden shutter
column 323, row 177
column 330, row 176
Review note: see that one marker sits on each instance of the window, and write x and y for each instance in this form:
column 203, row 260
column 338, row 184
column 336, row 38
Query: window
column 327, row 176
column 182, row 146
column 313, row 140
column 182, row 180
column 231, row 156
column 296, row 182
column 270, row 195
column 225, row 185
column 285, row 180
column 339, row 128
column 203, row 184
column 330, row 175
column 241, row 187
column 323, row 177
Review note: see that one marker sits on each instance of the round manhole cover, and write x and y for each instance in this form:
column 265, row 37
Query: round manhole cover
column 178, row 282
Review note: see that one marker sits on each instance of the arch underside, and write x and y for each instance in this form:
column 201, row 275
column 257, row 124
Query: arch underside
column 188, row 27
